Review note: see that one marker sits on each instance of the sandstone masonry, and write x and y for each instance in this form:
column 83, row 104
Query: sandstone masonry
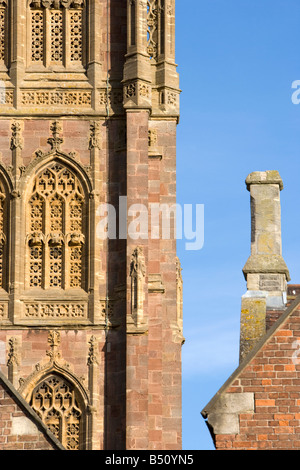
column 89, row 105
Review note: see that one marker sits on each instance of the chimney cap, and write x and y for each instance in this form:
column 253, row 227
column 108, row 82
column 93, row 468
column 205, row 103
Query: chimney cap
column 264, row 177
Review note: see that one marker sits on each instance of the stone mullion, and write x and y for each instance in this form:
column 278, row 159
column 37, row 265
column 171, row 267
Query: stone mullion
column 47, row 37
column 46, row 263
column 65, row 247
column 67, row 38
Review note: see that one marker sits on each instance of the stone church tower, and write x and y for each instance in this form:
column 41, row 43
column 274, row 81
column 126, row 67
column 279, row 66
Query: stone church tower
column 90, row 325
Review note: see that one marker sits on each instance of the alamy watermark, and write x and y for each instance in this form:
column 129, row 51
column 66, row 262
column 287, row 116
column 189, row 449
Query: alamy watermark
column 154, row 221
column 296, row 93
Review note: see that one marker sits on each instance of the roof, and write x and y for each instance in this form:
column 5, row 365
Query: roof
column 209, row 407
column 28, row 411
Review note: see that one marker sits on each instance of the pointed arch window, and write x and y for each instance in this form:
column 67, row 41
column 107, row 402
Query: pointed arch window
column 57, row 30
column 56, row 230
column 58, row 403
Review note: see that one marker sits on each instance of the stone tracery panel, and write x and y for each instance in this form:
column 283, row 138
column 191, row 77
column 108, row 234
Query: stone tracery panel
column 56, row 232
column 37, row 36
column 155, row 27
column 57, row 31
column 56, row 403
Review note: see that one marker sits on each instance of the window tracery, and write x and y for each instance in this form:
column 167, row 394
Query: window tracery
column 57, row 32
column 57, row 403
column 56, row 235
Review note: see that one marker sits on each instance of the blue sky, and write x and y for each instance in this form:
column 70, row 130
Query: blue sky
column 237, row 62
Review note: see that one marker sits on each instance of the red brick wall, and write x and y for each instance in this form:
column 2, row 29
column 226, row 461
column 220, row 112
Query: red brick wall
column 9, row 410
column 274, row 378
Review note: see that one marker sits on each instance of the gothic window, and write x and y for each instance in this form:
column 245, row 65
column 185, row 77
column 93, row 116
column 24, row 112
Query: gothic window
column 57, row 403
column 57, row 32
column 55, row 234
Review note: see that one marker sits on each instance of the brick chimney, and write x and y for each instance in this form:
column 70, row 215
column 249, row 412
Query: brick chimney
column 265, row 270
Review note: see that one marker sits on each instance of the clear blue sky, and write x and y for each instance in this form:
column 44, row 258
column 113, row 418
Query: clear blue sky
column 237, row 61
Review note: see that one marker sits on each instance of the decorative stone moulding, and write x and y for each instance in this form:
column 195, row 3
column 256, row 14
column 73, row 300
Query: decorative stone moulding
column 56, row 311
column 57, row 98
column 137, row 94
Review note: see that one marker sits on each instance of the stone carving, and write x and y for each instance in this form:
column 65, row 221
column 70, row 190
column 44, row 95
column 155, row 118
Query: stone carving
column 55, row 141
column 57, row 396
column 94, row 135
column 55, row 234
column 3, row 312
column 55, row 402
column 56, row 4
column 155, row 27
column 56, row 310
column 93, row 353
column 13, row 358
column 152, row 138
column 137, row 274
column 54, row 36
column 137, row 91
column 37, row 36
column 171, row 98
column 130, row 90
column 57, row 98
column 16, row 139
column 76, row 36
column 152, row 27
column 113, row 97
column 6, row 97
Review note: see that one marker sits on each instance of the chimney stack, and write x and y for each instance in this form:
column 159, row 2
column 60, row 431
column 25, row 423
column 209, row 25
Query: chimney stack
column 265, row 270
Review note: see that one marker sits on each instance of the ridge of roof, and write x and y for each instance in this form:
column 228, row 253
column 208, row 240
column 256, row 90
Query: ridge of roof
column 205, row 411
column 30, row 413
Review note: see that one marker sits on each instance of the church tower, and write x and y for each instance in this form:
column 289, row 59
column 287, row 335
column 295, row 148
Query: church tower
column 90, row 320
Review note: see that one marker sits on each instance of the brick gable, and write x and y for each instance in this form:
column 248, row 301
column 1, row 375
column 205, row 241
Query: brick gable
column 20, row 427
column 259, row 406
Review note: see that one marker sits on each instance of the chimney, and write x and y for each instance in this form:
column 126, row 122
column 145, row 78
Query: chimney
column 265, row 270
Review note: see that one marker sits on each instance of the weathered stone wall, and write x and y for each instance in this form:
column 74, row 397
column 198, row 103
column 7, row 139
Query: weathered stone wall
column 265, row 270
